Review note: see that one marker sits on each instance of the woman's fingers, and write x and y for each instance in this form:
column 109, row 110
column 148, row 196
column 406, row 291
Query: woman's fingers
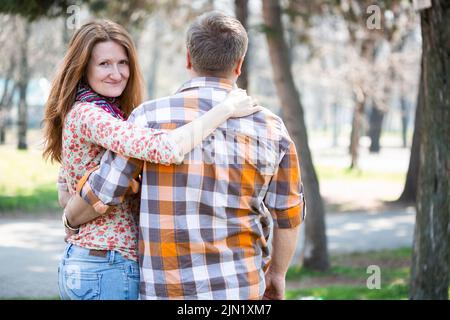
column 242, row 104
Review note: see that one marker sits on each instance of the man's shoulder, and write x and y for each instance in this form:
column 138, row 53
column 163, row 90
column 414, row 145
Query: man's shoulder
column 273, row 122
column 270, row 116
column 151, row 105
column 147, row 109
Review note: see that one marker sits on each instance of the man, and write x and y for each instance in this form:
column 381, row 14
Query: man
column 205, row 225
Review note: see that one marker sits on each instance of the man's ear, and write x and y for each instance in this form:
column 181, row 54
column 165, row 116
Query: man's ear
column 238, row 66
column 188, row 60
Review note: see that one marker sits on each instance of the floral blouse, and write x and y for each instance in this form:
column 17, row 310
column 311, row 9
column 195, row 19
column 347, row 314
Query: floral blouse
column 88, row 131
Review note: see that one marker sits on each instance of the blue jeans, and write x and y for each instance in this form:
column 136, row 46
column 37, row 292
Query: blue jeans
column 109, row 276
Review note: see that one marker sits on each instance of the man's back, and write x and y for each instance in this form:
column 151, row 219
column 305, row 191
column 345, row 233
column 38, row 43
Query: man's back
column 204, row 224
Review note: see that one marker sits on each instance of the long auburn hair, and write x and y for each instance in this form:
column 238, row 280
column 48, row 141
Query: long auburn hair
column 73, row 70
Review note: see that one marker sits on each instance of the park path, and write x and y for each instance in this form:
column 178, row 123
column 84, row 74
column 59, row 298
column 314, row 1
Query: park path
column 30, row 247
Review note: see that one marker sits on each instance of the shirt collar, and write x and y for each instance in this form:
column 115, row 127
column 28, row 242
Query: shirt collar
column 209, row 82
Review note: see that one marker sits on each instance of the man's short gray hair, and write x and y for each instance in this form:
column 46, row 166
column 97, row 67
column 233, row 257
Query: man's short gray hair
column 216, row 42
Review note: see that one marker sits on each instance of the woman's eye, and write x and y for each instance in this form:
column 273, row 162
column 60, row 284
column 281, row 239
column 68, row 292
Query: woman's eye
column 104, row 63
column 124, row 62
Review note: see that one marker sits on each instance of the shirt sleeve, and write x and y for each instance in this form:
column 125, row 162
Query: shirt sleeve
column 109, row 183
column 284, row 197
column 125, row 138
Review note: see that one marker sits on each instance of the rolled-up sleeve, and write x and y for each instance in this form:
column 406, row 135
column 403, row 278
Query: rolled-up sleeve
column 115, row 177
column 285, row 197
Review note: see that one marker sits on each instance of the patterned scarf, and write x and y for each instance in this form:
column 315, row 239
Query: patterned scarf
column 110, row 105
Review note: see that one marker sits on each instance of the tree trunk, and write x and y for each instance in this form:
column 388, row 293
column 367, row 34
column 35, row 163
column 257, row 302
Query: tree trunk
column 409, row 194
column 22, row 86
column 2, row 134
column 5, row 102
column 66, row 34
column 431, row 254
column 5, row 107
column 3, row 119
column 358, row 117
column 404, row 105
column 375, row 126
column 241, row 10
column 315, row 255
column 22, row 117
column 368, row 47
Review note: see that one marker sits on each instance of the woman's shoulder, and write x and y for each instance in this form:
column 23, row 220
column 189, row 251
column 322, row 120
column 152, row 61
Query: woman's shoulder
column 78, row 113
column 81, row 109
column 80, row 106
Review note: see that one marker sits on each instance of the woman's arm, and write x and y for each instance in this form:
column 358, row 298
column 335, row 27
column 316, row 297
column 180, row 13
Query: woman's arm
column 64, row 198
column 236, row 104
column 94, row 125
column 79, row 212
column 127, row 139
column 63, row 189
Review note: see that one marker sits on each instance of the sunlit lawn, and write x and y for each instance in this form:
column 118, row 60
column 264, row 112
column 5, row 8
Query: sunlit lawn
column 27, row 183
column 344, row 174
column 391, row 292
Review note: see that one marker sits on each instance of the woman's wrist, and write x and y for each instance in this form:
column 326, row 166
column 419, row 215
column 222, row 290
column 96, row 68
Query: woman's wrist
column 66, row 223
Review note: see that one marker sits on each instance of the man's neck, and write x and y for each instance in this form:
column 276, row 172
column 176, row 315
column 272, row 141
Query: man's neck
column 229, row 78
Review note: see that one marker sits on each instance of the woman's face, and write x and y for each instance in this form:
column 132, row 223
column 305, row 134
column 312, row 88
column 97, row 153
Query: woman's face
column 108, row 69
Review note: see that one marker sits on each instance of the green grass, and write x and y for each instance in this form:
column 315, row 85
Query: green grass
column 27, row 182
column 391, row 292
column 348, row 275
column 348, row 272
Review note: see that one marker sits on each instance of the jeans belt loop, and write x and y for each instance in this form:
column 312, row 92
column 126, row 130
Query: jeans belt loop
column 67, row 250
column 112, row 256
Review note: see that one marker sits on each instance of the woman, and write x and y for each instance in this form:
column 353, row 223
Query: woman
column 96, row 88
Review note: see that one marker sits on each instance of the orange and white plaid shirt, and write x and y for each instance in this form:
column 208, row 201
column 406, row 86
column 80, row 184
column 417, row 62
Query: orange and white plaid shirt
column 205, row 225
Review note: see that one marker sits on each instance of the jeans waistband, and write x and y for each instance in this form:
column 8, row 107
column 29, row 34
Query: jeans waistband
column 77, row 252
